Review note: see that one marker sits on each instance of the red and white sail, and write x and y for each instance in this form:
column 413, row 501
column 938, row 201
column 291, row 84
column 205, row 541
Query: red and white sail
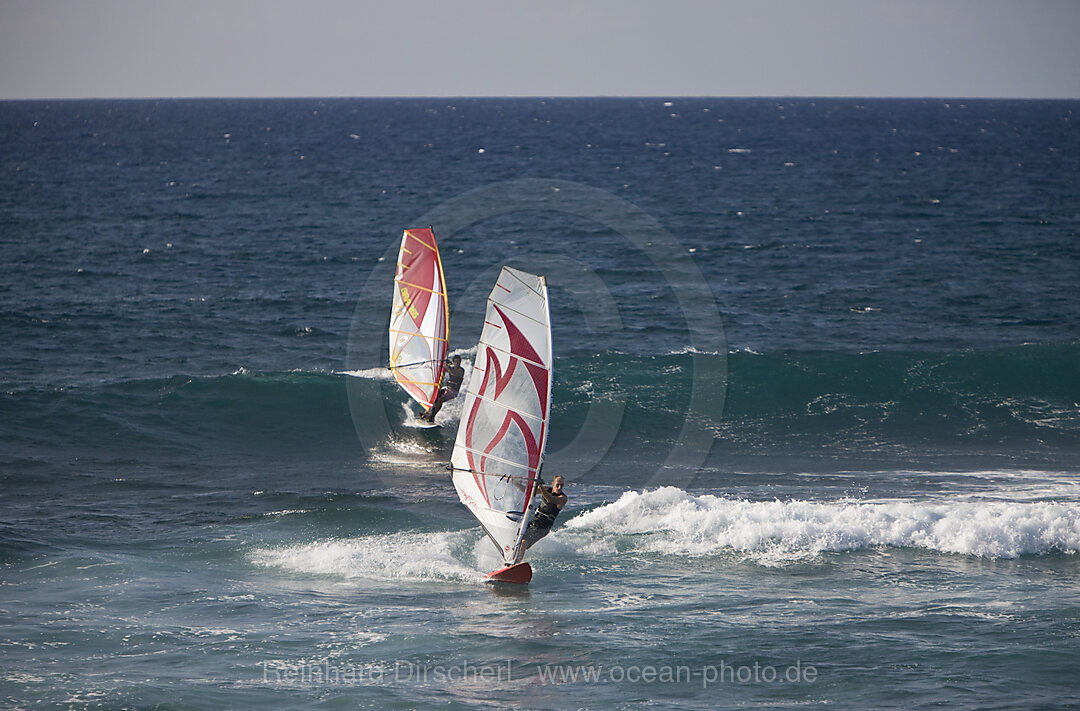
column 419, row 321
column 504, row 423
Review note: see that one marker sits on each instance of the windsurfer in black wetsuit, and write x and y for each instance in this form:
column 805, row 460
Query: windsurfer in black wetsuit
column 454, row 375
column 544, row 517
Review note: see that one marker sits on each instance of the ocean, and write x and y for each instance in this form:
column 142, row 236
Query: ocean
column 816, row 396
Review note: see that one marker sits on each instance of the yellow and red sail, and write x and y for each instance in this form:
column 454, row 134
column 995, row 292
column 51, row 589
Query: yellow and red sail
column 420, row 319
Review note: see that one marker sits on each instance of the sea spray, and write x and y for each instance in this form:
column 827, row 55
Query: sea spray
column 672, row 521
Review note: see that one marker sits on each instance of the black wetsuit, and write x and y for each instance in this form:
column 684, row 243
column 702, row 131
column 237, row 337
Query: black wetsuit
column 454, row 376
column 543, row 519
column 545, row 515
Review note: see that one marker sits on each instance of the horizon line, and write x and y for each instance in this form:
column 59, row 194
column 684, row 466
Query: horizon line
column 438, row 97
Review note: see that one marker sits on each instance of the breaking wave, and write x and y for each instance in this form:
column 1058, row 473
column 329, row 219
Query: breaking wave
column 672, row 521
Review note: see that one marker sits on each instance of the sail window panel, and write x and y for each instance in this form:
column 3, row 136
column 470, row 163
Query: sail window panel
column 506, row 488
column 414, row 352
column 502, row 433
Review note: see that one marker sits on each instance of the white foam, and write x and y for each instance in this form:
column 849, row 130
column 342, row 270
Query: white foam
column 451, row 410
column 370, row 373
column 463, row 352
column 285, row 512
column 397, row 556
column 669, row 520
column 691, row 350
column 409, row 414
column 404, row 452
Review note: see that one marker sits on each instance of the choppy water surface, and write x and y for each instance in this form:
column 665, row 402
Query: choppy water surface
column 817, row 391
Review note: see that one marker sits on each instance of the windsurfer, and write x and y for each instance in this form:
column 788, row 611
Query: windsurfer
column 544, row 516
column 454, row 375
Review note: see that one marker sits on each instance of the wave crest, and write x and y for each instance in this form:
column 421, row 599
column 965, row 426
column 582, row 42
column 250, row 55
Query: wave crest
column 672, row 521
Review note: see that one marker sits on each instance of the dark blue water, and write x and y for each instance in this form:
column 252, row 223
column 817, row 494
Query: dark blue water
column 817, row 390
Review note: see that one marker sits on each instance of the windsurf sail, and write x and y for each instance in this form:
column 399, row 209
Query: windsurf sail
column 420, row 319
column 503, row 430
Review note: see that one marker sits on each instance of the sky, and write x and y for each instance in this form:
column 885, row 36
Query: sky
column 330, row 48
